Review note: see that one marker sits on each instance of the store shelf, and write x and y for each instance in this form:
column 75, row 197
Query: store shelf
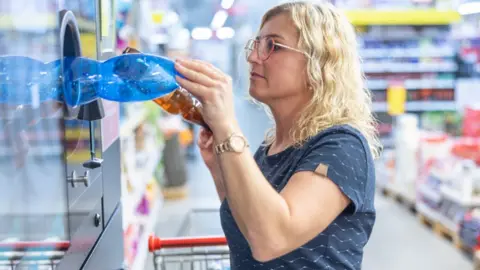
column 429, row 193
column 40, row 22
column 447, row 223
column 421, row 106
column 427, row 212
column 140, row 258
column 431, row 106
column 132, row 200
column 439, row 52
column 457, row 197
column 387, row 142
column 129, row 125
column 402, row 17
column 413, row 84
column 393, row 67
column 46, row 150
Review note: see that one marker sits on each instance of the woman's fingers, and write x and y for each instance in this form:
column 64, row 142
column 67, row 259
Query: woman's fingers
column 194, row 75
column 195, row 89
column 201, row 67
column 215, row 72
column 205, row 140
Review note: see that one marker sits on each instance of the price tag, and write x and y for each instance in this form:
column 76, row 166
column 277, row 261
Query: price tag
column 396, row 99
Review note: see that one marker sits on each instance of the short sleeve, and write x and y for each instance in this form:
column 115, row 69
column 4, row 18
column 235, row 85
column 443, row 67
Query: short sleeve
column 340, row 156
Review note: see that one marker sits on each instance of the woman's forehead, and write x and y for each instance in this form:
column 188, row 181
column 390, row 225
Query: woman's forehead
column 280, row 27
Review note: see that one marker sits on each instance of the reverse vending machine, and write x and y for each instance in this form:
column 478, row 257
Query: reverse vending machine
column 59, row 165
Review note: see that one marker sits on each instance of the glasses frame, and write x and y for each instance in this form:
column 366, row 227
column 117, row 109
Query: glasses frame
column 252, row 45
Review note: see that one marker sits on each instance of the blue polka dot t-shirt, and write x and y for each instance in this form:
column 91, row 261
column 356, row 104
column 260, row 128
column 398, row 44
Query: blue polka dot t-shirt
column 344, row 155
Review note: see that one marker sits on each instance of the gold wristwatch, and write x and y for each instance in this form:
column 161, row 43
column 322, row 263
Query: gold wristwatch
column 235, row 143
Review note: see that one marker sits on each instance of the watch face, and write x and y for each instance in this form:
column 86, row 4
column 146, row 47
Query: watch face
column 237, row 143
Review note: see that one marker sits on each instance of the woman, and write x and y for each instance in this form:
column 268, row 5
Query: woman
column 305, row 199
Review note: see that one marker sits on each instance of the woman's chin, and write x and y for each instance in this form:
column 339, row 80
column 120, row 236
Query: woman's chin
column 258, row 94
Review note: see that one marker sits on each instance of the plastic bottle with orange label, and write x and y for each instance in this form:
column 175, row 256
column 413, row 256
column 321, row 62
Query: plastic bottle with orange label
column 179, row 102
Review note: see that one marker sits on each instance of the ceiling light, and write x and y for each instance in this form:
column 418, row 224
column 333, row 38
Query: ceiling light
column 201, row 33
column 469, row 8
column 226, row 4
column 219, row 19
column 225, row 33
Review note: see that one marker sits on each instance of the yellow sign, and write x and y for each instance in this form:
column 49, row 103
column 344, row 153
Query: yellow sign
column 396, row 99
column 157, row 17
column 89, row 47
column 105, row 17
column 403, row 17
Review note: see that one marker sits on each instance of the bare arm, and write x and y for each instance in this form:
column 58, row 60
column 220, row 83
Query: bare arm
column 205, row 144
column 219, row 183
column 275, row 224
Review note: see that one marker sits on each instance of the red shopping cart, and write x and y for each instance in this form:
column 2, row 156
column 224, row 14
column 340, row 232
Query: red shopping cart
column 31, row 254
column 190, row 252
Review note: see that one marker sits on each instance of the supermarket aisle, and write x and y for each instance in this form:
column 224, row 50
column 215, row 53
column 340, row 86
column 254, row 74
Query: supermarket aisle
column 398, row 237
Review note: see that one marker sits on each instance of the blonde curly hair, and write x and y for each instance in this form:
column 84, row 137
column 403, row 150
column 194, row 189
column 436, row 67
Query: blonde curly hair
column 334, row 73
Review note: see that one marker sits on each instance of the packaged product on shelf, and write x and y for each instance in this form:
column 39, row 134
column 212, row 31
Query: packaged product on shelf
column 433, row 146
column 471, row 122
column 407, row 138
column 385, row 169
column 469, row 229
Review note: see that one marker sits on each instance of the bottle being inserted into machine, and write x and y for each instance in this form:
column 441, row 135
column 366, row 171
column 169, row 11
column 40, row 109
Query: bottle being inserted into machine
column 130, row 77
column 178, row 102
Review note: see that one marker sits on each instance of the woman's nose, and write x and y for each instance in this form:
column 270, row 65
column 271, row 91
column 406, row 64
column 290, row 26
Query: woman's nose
column 252, row 57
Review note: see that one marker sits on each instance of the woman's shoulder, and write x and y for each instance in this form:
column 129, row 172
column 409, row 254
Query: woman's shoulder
column 341, row 142
column 339, row 135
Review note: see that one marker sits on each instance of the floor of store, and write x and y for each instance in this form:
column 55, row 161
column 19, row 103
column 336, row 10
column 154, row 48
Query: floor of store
column 398, row 242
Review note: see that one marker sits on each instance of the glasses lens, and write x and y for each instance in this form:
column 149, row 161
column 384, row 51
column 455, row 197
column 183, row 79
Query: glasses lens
column 265, row 48
column 249, row 47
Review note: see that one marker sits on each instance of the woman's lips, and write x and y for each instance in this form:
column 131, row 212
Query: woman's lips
column 256, row 75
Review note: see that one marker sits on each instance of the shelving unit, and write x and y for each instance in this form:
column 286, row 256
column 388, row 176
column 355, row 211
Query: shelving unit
column 446, row 196
column 142, row 198
column 414, row 49
column 150, row 222
column 419, row 106
column 410, row 48
column 131, row 200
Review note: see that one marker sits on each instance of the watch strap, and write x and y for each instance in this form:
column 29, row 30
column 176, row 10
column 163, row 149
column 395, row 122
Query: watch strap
column 226, row 146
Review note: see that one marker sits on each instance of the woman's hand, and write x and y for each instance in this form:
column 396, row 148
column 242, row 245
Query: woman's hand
column 213, row 89
column 205, row 144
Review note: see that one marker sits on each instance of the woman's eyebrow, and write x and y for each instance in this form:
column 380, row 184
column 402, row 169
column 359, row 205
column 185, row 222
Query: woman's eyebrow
column 273, row 35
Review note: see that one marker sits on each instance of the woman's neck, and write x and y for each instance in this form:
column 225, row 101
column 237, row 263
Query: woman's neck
column 285, row 117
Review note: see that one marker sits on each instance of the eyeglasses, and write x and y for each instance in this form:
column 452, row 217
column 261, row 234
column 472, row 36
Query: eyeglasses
column 265, row 47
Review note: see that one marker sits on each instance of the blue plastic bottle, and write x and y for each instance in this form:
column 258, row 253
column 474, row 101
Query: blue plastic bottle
column 24, row 80
column 124, row 78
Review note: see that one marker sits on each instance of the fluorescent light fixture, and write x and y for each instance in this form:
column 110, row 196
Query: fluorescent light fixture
column 225, row 33
column 469, row 8
column 201, row 33
column 226, row 4
column 219, row 19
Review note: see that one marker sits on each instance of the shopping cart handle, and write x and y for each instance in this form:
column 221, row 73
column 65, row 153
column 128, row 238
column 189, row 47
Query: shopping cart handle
column 34, row 246
column 156, row 243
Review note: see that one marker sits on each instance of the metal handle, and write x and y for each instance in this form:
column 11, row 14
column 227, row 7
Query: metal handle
column 74, row 179
column 34, row 246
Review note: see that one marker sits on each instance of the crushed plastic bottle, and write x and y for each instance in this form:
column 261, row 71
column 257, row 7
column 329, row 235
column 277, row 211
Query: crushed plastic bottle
column 123, row 78
column 24, row 80
column 178, row 102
